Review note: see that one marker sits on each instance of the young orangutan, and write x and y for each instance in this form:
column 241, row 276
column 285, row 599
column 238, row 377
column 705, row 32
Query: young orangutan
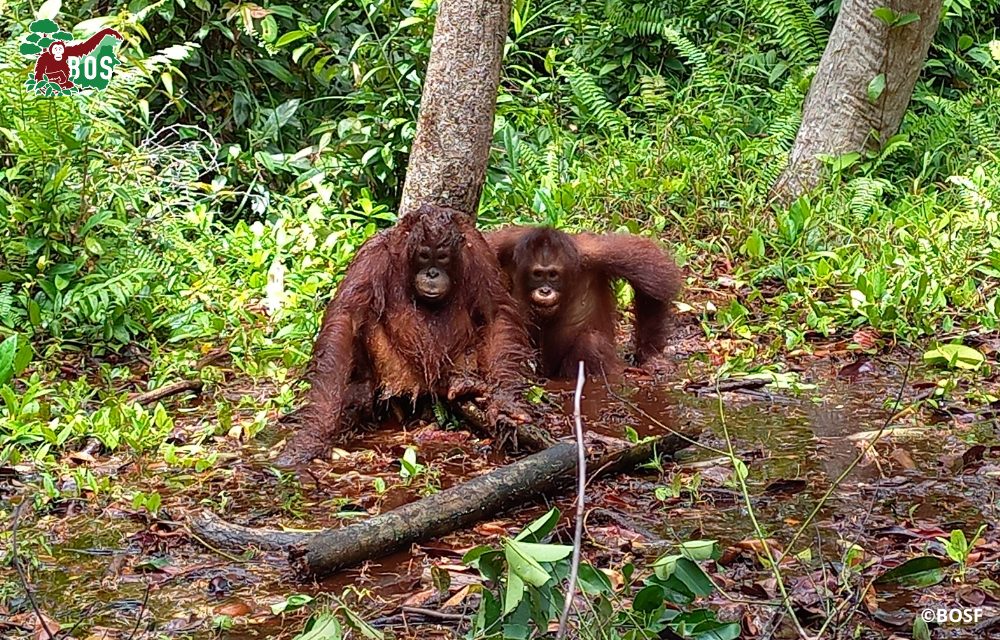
column 423, row 310
column 563, row 283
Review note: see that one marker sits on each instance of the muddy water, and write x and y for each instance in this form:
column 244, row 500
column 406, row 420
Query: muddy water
column 111, row 565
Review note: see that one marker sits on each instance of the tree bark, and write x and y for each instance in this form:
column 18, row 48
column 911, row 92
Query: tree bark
column 447, row 163
column 325, row 552
column 839, row 117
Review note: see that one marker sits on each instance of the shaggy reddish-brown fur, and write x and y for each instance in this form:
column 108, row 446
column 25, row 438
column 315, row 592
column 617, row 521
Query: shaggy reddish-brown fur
column 582, row 325
column 379, row 340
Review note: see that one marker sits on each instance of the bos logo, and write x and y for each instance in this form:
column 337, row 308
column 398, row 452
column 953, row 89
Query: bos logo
column 63, row 67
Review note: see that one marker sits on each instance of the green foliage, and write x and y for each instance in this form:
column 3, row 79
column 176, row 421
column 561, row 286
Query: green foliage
column 958, row 548
column 796, row 26
column 526, row 577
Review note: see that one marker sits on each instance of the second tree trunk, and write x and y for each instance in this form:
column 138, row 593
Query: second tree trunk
column 862, row 86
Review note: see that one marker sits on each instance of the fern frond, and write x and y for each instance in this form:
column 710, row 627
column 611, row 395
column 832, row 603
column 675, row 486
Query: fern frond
column 866, row 194
column 798, row 30
column 7, row 303
column 595, row 103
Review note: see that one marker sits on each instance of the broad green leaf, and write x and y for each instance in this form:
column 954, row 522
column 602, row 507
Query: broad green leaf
column 699, row 549
column 593, row 581
column 323, row 626
column 268, row 29
column 693, row 577
column 843, row 162
column 665, row 565
column 523, row 565
column 754, row 245
column 358, row 624
column 276, row 70
column 675, row 591
column 544, row 552
column 876, row 87
column 649, row 599
column 955, row 356
column 473, row 554
column 922, row 571
column 8, row 349
column 714, row 630
column 514, row 593
column 541, row 527
column 886, row 15
column 290, row 37
column 906, row 19
column 741, row 469
column 291, row 603
column 23, row 357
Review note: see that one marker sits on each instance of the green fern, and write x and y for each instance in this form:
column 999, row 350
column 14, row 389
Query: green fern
column 7, row 304
column 637, row 19
column 594, row 102
column 702, row 74
column 866, row 195
column 798, row 30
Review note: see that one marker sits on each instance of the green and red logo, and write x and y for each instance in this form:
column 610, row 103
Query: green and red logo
column 64, row 68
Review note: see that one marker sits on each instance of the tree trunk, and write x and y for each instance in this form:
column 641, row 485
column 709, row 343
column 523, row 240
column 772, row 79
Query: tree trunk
column 447, row 164
column 839, row 115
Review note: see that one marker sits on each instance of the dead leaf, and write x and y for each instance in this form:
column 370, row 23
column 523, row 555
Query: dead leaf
column 903, row 459
column 233, row 609
column 866, row 338
column 971, row 595
column 47, row 631
column 855, row 369
column 491, row 529
column 459, row 597
column 420, row 598
column 785, row 486
column 80, row 457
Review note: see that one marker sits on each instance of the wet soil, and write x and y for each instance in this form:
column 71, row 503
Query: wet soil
column 106, row 568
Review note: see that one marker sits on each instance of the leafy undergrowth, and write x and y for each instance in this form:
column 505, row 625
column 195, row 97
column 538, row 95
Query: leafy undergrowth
column 101, row 538
column 189, row 225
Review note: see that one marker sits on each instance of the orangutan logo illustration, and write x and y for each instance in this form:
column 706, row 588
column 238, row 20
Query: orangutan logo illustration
column 64, row 68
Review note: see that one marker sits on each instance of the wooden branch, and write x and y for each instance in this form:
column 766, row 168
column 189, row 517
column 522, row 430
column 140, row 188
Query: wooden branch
column 731, row 384
column 167, row 390
column 522, row 482
column 211, row 527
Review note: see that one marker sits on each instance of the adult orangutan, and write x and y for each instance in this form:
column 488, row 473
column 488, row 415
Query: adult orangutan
column 53, row 63
column 423, row 310
column 563, row 283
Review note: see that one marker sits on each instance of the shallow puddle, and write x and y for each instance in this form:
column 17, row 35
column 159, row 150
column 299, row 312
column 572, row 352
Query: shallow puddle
column 112, row 564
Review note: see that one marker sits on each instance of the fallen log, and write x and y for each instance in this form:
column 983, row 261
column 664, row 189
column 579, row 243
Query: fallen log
column 214, row 529
column 323, row 553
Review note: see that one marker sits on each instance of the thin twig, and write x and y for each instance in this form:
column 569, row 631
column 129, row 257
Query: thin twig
column 142, row 610
column 15, row 559
column 581, row 477
column 740, row 474
column 854, row 463
column 892, row 417
column 437, row 615
column 167, row 390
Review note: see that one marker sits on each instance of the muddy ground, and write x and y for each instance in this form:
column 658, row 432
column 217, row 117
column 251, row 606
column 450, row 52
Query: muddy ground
column 108, row 569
